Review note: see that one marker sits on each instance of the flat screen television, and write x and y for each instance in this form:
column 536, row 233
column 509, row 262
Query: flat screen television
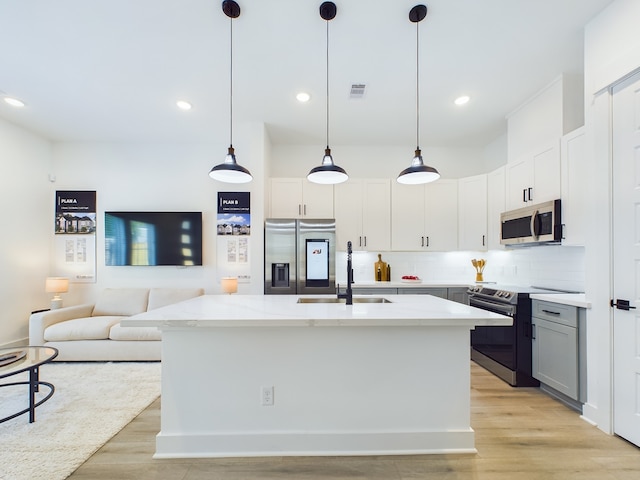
column 153, row 238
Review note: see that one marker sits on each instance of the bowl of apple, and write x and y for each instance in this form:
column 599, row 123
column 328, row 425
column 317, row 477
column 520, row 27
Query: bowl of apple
column 411, row 279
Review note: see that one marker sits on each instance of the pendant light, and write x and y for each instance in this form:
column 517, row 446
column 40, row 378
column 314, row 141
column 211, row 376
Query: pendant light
column 418, row 172
column 229, row 171
column 328, row 172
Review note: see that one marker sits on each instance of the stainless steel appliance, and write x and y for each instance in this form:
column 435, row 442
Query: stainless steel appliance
column 299, row 256
column 505, row 351
column 535, row 224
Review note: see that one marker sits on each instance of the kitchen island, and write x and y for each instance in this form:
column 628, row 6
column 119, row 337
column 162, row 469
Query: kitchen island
column 254, row 375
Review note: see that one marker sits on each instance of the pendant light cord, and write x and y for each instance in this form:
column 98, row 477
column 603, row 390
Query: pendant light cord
column 231, row 83
column 417, row 89
column 327, row 83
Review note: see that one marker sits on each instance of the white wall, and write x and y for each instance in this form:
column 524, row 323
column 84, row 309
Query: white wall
column 555, row 110
column 612, row 51
column 549, row 266
column 495, row 154
column 25, row 195
column 157, row 177
column 375, row 161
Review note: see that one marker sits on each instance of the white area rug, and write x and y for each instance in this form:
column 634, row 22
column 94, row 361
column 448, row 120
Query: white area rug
column 92, row 402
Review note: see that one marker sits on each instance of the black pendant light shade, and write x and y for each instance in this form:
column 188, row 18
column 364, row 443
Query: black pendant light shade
column 328, row 172
column 229, row 171
column 418, row 172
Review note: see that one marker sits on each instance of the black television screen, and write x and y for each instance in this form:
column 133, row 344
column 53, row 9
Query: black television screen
column 153, row 238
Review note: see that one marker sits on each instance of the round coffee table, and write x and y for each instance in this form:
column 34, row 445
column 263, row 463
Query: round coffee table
column 27, row 359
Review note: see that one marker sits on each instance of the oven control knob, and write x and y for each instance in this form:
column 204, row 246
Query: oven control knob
column 500, row 293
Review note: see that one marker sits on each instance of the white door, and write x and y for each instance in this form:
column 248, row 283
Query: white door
column 626, row 258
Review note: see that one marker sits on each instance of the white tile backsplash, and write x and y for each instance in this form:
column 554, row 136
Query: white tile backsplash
column 550, row 266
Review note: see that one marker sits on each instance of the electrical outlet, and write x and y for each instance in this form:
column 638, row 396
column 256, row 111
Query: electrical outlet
column 266, row 394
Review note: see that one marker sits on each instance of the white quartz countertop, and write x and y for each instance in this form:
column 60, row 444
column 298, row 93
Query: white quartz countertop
column 283, row 310
column 573, row 299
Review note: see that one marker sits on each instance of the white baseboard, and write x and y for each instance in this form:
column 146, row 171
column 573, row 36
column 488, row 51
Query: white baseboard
column 17, row 343
column 313, row 444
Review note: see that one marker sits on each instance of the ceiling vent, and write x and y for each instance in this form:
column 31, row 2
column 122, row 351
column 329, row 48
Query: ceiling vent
column 357, row 90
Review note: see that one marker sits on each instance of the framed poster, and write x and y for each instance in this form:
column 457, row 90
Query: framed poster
column 234, row 213
column 233, row 228
column 75, row 235
column 75, row 213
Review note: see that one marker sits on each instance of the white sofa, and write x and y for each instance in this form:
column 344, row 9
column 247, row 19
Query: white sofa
column 92, row 332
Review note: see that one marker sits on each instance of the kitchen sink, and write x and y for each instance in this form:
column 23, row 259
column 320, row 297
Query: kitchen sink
column 342, row 300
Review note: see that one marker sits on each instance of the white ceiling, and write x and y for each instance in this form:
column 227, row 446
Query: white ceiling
column 111, row 70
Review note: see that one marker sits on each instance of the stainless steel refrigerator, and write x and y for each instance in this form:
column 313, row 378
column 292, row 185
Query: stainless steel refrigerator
column 299, row 256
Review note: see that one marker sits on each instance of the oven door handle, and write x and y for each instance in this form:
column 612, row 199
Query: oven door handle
column 508, row 310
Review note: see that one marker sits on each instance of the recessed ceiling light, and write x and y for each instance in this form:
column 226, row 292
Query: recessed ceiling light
column 14, row 102
column 462, row 100
column 184, row 105
column 303, row 97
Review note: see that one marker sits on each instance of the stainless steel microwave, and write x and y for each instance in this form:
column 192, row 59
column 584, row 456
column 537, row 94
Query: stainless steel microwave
column 535, row 224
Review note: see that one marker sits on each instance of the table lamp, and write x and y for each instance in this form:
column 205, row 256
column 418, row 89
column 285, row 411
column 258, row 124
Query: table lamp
column 229, row 284
column 56, row 285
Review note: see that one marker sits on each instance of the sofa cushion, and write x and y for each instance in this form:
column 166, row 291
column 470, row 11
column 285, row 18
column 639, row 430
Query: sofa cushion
column 121, row 301
column 118, row 332
column 89, row 328
column 160, row 297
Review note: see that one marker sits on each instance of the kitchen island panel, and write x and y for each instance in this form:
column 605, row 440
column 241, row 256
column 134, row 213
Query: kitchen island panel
column 337, row 391
column 364, row 379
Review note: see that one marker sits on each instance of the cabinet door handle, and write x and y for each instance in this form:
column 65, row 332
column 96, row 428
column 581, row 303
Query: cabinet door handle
column 360, row 241
column 365, row 240
column 483, row 240
column 524, row 194
column 299, row 209
column 621, row 304
column 427, row 241
column 530, row 189
column 422, row 243
column 533, row 331
column 550, row 312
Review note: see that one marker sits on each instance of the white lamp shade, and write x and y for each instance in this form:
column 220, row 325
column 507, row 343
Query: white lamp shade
column 56, row 285
column 229, row 284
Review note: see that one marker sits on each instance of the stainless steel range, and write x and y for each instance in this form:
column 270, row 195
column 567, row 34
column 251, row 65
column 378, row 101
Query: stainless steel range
column 505, row 351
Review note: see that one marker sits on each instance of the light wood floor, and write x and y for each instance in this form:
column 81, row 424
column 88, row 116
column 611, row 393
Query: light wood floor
column 521, row 433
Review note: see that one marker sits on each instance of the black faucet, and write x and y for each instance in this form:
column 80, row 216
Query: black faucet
column 348, row 295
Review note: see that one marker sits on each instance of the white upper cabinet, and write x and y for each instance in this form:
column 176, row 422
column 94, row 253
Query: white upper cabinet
column 299, row 198
column 472, row 213
column 425, row 217
column 496, row 204
column 534, row 178
column 363, row 214
column 574, row 181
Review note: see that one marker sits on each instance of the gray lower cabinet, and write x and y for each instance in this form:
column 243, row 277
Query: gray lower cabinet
column 458, row 294
column 435, row 291
column 558, row 347
column 372, row 290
